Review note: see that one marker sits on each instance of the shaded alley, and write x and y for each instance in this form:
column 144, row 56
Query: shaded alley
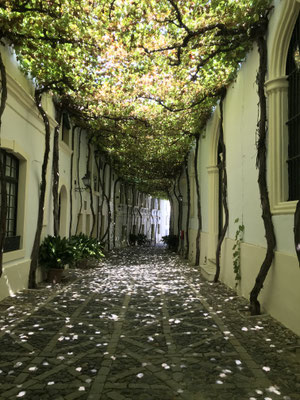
column 142, row 326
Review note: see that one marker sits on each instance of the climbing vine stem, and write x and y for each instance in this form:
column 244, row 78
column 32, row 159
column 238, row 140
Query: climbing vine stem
column 188, row 186
column 262, row 179
column 223, row 180
column 55, row 170
column 199, row 212
column 297, row 230
column 43, row 184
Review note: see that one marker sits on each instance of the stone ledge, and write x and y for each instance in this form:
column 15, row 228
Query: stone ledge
column 208, row 271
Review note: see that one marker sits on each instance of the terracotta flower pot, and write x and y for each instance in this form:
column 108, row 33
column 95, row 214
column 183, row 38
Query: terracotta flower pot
column 55, row 275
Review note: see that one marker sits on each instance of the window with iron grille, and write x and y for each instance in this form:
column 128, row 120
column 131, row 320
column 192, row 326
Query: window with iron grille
column 293, row 123
column 11, row 164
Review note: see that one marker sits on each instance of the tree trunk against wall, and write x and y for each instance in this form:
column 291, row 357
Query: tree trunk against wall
column 115, row 214
column 127, row 211
column 186, row 167
column 90, row 188
column 3, row 200
column 55, row 171
column 179, row 200
column 107, row 198
column 261, row 162
column 178, row 203
column 171, row 222
column 71, row 180
column 141, row 219
column 111, row 215
column 223, row 172
column 100, row 208
column 297, row 230
column 104, row 196
column 132, row 209
column 198, row 203
column 78, row 181
column 40, row 218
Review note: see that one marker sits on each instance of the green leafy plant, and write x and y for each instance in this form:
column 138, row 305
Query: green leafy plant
column 141, row 239
column 132, row 239
column 236, row 255
column 171, row 241
column 171, row 70
column 85, row 248
column 55, row 252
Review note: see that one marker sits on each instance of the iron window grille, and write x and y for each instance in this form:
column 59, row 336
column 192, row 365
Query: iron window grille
column 11, row 164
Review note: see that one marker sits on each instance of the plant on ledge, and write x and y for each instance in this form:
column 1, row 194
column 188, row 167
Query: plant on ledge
column 54, row 254
column 85, row 249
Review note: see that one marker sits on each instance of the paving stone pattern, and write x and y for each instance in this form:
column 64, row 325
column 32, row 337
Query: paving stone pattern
column 142, row 326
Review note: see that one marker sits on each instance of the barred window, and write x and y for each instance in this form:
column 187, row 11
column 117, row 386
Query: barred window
column 11, row 164
column 293, row 73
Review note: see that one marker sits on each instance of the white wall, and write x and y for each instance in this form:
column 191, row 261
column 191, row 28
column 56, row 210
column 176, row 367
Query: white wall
column 23, row 134
column 280, row 295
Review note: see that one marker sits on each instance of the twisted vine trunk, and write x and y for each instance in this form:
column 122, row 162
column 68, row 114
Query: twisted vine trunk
column 133, row 219
column 91, row 191
column 100, row 204
column 171, row 227
column 55, row 172
column 179, row 200
column 115, row 214
column 36, row 242
column 198, row 202
column 223, row 172
column 3, row 200
column 297, row 230
column 107, row 198
column 261, row 162
column 71, row 181
column 178, row 220
column 110, row 212
column 187, row 249
column 78, row 182
column 127, row 211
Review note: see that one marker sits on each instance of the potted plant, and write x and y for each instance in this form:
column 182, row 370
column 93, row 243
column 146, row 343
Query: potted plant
column 132, row 239
column 85, row 249
column 141, row 239
column 171, row 241
column 54, row 254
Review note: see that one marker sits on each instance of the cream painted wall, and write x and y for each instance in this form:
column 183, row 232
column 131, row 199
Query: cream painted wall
column 203, row 174
column 23, row 133
column 240, row 119
column 280, row 296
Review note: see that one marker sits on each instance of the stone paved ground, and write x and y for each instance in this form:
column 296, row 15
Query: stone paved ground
column 142, row 326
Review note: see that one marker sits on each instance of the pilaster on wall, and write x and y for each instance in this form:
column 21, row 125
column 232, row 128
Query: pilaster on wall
column 213, row 199
column 277, row 92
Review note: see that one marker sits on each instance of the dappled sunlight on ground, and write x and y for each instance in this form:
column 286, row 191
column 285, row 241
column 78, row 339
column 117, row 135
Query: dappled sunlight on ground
column 142, row 326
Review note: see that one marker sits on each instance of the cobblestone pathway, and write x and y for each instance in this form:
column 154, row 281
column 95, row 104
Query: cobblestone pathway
column 142, row 326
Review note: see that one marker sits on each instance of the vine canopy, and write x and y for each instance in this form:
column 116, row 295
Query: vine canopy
column 142, row 76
